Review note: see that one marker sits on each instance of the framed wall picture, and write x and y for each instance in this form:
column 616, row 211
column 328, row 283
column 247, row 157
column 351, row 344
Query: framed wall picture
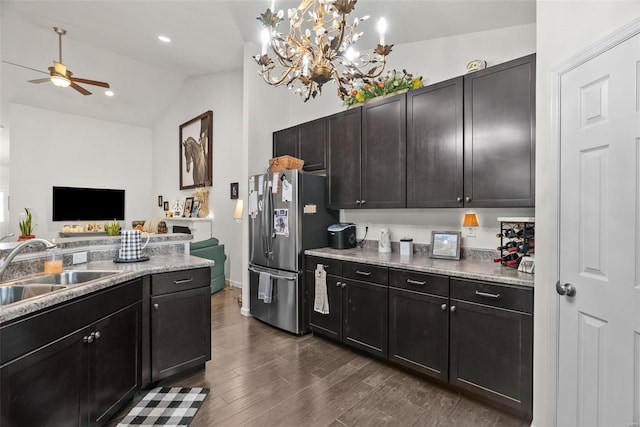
column 159, row 201
column 234, row 190
column 165, row 206
column 188, row 204
column 445, row 244
column 196, row 160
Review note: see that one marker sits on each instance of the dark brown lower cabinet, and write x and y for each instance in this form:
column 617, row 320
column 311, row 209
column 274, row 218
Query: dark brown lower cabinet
column 419, row 332
column 180, row 322
column 366, row 316
column 327, row 324
column 491, row 342
column 77, row 368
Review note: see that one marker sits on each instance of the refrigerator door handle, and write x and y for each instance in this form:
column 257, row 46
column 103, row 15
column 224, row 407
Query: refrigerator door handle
column 275, row 276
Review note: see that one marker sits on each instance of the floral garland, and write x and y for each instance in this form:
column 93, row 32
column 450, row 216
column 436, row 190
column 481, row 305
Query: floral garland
column 393, row 82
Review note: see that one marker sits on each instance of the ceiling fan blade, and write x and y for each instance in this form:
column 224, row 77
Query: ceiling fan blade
column 89, row 82
column 48, row 79
column 80, row 89
column 24, row 66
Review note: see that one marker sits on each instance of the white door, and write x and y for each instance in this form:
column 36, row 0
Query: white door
column 599, row 326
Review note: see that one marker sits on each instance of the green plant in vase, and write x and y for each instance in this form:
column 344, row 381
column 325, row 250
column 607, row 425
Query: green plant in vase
column 26, row 225
column 112, row 228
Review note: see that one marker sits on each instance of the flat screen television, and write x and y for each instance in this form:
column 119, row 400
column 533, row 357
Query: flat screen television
column 87, row 204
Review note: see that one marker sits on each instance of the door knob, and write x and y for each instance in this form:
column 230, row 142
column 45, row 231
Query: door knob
column 156, row 306
column 444, row 307
column 453, row 308
column 567, row 289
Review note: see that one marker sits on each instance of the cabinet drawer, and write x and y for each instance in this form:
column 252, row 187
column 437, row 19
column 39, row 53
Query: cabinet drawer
column 503, row 296
column 331, row 266
column 365, row 272
column 182, row 280
column 419, row 282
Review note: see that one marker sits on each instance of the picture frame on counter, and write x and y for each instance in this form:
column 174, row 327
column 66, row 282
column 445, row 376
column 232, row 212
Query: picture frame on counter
column 445, row 244
column 196, row 160
column 195, row 208
column 188, row 204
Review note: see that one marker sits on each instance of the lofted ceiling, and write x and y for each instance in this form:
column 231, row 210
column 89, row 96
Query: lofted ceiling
column 116, row 41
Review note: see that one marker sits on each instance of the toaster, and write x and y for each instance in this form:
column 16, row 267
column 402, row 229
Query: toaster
column 342, row 235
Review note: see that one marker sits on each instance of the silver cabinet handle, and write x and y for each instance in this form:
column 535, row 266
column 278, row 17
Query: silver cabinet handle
column 180, row 282
column 325, row 266
column 416, row 282
column 338, row 284
column 567, row 289
column 453, row 308
column 88, row 338
column 362, row 202
column 363, row 273
column 344, row 285
column 487, row 295
column 444, row 307
column 467, row 199
column 96, row 334
column 156, row 306
column 357, row 202
column 458, row 199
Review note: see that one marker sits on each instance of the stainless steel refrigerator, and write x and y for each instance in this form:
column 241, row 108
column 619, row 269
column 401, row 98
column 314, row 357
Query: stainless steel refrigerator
column 282, row 225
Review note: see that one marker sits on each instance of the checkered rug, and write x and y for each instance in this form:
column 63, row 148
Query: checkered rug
column 166, row 406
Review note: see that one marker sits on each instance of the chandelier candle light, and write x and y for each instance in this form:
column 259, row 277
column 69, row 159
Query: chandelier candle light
column 318, row 48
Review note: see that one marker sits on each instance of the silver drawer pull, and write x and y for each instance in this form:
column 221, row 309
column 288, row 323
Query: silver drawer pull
column 416, row 282
column 325, row 266
column 487, row 295
column 363, row 273
column 180, row 282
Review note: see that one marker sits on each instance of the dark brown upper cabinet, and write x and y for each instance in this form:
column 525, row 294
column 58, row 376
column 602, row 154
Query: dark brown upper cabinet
column 343, row 169
column 435, row 145
column 306, row 141
column 499, row 135
column 384, row 153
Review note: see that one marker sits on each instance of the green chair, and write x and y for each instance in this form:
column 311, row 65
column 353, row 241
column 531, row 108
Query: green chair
column 211, row 249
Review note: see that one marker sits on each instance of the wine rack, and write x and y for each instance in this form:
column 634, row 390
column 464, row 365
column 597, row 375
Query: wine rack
column 517, row 242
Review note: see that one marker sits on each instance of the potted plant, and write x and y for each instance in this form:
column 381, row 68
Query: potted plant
column 26, row 226
column 112, row 228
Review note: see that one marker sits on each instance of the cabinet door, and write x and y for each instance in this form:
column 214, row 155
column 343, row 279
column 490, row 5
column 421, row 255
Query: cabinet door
column 180, row 331
column 115, row 362
column 312, row 144
column 366, row 317
column 343, row 170
column 285, row 142
column 384, row 153
column 326, row 324
column 47, row 387
column 434, row 145
column 499, row 135
column 491, row 353
column 419, row 332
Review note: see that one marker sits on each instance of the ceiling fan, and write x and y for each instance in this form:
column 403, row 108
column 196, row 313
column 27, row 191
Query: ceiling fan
column 60, row 75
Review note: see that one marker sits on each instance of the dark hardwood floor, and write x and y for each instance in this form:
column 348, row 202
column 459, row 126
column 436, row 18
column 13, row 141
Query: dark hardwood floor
column 261, row 376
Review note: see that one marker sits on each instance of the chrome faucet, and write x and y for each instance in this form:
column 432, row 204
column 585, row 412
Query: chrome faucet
column 4, row 263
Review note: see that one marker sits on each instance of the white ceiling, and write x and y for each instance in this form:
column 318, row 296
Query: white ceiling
column 116, row 41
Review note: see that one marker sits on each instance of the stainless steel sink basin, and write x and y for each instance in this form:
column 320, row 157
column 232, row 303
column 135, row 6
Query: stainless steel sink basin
column 70, row 277
column 13, row 293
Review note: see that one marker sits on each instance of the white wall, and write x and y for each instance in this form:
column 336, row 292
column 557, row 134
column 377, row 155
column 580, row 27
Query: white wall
column 564, row 28
column 50, row 148
column 436, row 60
column 221, row 93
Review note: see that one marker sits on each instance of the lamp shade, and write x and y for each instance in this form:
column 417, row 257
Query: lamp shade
column 470, row 220
column 237, row 214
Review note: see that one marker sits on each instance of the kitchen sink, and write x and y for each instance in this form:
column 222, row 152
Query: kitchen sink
column 70, row 277
column 13, row 293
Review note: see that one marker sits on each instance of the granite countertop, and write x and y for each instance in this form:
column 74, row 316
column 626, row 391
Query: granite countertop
column 126, row 272
column 465, row 268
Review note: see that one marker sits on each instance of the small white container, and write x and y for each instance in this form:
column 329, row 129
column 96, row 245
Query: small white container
column 406, row 247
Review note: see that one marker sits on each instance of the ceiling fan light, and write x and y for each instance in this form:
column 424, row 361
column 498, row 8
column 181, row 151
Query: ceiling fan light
column 60, row 81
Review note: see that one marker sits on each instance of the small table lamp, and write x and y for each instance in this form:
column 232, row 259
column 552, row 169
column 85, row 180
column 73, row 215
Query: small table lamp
column 470, row 222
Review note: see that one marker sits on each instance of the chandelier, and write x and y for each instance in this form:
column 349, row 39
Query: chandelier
column 318, row 48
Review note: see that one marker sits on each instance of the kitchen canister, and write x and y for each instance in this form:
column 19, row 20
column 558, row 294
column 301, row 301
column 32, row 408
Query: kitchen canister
column 406, row 247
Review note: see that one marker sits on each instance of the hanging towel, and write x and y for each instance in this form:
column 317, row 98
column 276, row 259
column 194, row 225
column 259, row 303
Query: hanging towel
column 265, row 287
column 321, row 302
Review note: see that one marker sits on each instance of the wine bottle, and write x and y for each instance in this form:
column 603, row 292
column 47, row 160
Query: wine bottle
column 509, row 245
column 509, row 233
column 513, row 262
column 508, row 257
column 523, row 248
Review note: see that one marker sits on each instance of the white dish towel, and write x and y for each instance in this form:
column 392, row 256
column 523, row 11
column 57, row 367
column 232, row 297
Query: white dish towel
column 265, row 287
column 321, row 302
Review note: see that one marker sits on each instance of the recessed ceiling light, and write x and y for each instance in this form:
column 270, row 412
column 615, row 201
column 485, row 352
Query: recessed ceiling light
column 164, row 39
column 108, row 92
